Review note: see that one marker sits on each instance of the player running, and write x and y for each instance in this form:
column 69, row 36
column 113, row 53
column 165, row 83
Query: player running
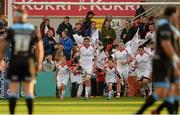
column 87, row 61
column 141, row 62
column 122, row 59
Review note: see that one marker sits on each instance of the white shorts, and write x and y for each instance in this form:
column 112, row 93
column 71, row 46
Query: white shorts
column 61, row 81
column 88, row 70
column 110, row 79
column 123, row 73
column 142, row 74
column 89, row 73
column 79, row 79
column 74, row 78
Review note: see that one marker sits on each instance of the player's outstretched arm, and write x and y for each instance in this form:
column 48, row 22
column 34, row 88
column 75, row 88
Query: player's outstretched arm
column 39, row 54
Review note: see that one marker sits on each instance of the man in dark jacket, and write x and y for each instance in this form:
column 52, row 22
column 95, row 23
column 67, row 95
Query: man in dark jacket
column 140, row 10
column 65, row 26
column 108, row 34
column 128, row 32
column 87, row 21
column 49, row 43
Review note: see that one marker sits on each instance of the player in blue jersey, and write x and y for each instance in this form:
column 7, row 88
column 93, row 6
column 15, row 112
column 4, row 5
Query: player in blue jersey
column 22, row 36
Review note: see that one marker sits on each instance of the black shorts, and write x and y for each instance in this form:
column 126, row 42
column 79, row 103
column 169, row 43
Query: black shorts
column 19, row 70
column 162, row 71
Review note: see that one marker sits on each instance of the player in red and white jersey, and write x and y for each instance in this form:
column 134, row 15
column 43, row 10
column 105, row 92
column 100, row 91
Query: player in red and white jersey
column 122, row 59
column 142, row 61
column 87, row 55
column 62, row 75
column 111, row 74
column 102, row 58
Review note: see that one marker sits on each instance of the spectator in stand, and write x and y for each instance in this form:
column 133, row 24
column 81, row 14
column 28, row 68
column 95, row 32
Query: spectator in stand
column 140, row 10
column 108, row 34
column 151, row 33
column 45, row 26
column 4, row 20
column 128, row 32
column 65, row 26
column 143, row 27
column 78, row 29
column 87, row 21
column 67, row 44
column 59, row 50
column 151, row 19
column 107, row 18
column 48, row 64
column 81, row 20
column 94, row 34
column 1, row 28
column 49, row 43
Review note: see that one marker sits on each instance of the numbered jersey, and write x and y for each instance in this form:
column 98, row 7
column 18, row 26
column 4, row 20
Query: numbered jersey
column 21, row 36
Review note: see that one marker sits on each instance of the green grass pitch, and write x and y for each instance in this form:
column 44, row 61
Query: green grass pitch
column 52, row 105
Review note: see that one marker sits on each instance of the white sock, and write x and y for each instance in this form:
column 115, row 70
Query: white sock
column 87, row 89
column 110, row 93
column 80, row 89
column 142, row 91
column 62, row 94
column 150, row 86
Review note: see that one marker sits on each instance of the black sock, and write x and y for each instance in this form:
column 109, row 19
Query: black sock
column 170, row 107
column 12, row 104
column 161, row 107
column 29, row 103
column 176, row 106
column 150, row 100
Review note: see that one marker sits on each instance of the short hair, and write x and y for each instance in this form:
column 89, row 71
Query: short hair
column 141, row 46
column 19, row 12
column 151, row 18
column 47, row 19
column 65, row 31
column 110, row 58
column 50, row 29
column 169, row 11
column 66, row 17
column 128, row 20
column 78, row 23
column 152, row 24
column 93, row 22
column 86, row 38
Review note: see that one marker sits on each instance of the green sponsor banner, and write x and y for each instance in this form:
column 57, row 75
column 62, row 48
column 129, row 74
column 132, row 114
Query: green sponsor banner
column 46, row 85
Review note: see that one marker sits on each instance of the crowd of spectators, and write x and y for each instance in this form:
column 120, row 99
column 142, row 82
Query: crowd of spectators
column 66, row 44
